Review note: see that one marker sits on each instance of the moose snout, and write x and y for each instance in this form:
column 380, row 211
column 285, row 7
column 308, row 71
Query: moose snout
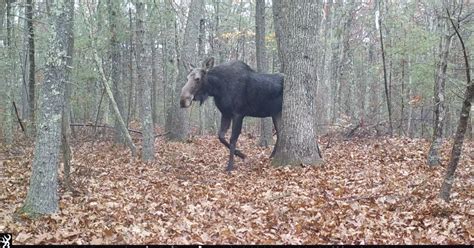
column 185, row 101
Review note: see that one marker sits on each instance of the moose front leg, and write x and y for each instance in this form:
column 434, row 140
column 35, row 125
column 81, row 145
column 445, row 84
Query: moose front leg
column 225, row 124
column 236, row 129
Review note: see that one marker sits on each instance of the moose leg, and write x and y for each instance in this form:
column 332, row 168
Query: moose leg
column 276, row 122
column 236, row 128
column 225, row 124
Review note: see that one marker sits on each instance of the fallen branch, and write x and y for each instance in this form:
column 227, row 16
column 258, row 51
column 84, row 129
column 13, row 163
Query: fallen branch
column 104, row 126
column 110, row 127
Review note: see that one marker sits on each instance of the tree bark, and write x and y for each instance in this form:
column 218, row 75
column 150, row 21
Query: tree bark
column 148, row 141
column 131, row 89
column 154, row 81
column 179, row 129
column 31, row 69
column 296, row 35
column 65, row 128
column 42, row 197
column 8, row 115
column 439, row 98
column 262, row 66
column 463, row 122
column 107, row 87
column 114, row 52
column 387, row 92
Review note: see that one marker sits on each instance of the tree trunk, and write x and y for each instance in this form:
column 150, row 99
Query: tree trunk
column 148, row 141
column 154, row 81
column 42, row 197
column 65, row 129
column 107, row 88
column 114, row 53
column 131, row 89
column 31, row 69
column 439, row 99
column 387, row 92
column 262, row 66
column 179, row 129
column 3, row 5
column 8, row 114
column 296, row 35
column 463, row 122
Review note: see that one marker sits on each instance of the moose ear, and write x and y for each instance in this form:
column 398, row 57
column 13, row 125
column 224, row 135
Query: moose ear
column 208, row 63
column 188, row 66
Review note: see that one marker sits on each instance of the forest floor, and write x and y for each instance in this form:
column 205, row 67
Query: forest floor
column 369, row 191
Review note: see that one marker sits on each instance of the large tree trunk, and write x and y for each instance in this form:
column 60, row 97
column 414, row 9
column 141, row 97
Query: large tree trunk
column 296, row 35
column 42, row 197
column 439, row 98
column 179, row 129
column 148, row 141
column 262, row 66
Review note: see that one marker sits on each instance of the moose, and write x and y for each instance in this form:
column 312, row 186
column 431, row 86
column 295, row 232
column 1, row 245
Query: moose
column 238, row 92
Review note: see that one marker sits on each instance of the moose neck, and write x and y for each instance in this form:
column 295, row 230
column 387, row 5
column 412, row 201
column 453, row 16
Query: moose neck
column 212, row 86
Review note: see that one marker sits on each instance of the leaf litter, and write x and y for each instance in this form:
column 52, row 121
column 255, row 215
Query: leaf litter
column 369, row 191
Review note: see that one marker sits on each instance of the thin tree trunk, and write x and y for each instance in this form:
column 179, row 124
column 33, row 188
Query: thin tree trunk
column 8, row 125
column 131, row 87
column 154, row 82
column 65, row 129
column 114, row 51
column 439, row 99
column 410, row 107
column 463, row 122
column 387, row 92
column 31, row 69
column 106, row 83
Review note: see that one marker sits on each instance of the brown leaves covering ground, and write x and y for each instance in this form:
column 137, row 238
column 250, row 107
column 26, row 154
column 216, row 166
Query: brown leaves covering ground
column 370, row 191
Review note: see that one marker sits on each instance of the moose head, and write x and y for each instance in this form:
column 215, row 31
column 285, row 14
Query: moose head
column 195, row 87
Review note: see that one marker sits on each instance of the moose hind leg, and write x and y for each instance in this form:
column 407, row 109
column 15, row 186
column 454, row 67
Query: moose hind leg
column 236, row 129
column 225, row 124
column 276, row 122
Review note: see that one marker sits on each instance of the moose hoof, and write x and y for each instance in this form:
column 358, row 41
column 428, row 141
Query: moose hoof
column 228, row 169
